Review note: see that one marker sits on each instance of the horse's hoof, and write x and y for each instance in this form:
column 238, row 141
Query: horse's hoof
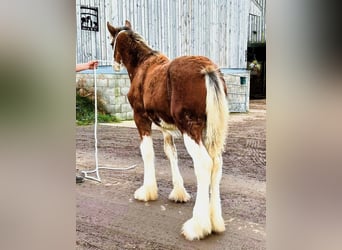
column 146, row 193
column 196, row 229
column 179, row 195
column 217, row 224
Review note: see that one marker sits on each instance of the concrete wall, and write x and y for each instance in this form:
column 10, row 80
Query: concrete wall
column 112, row 90
column 238, row 84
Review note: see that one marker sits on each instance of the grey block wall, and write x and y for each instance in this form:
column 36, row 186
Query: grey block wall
column 238, row 85
column 112, row 89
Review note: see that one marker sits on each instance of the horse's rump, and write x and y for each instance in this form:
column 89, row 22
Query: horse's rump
column 188, row 91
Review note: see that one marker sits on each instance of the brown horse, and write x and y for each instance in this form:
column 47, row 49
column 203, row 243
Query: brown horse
column 184, row 96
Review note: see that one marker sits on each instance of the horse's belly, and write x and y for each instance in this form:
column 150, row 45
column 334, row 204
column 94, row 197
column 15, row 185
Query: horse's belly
column 169, row 128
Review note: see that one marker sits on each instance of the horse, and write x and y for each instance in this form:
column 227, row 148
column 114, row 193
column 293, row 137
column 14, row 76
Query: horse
column 186, row 96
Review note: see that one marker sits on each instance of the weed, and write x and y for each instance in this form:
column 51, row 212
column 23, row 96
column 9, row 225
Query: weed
column 85, row 112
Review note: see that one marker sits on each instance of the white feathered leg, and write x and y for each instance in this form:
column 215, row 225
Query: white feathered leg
column 217, row 221
column 178, row 193
column 200, row 224
column 149, row 190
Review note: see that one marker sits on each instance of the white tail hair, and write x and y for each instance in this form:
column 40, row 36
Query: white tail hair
column 217, row 112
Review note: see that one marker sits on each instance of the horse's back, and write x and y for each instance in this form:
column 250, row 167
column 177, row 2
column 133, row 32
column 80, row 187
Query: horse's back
column 194, row 62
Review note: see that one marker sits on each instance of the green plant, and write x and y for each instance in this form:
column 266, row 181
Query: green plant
column 85, row 112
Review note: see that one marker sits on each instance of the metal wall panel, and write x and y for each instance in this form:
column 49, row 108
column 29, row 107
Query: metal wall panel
column 217, row 29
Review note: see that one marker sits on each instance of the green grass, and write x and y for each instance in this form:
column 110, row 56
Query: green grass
column 85, row 112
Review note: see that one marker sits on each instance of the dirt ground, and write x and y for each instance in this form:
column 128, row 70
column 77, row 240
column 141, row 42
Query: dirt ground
column 108, row 217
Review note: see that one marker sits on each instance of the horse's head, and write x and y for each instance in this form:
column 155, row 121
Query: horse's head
column 115, row 31
column 130, row 49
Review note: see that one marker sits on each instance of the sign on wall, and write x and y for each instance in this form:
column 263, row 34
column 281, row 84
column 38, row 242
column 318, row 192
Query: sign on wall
column 89, row 18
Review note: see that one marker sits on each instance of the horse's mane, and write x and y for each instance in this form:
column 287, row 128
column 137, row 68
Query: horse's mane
column 139, row 39
column 138, row 42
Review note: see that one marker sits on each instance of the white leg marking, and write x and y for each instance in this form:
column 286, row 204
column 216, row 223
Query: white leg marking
column 149, row 190
column 200, row 224
column 178, row 193
column 217, row 221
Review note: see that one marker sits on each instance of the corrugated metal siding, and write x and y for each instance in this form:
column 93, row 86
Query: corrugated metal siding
column 217, row 29
column 257, row 22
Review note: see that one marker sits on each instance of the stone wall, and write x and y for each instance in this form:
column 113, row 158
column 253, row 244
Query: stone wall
column 112, row 92
column 112, row 89
column 238, row 85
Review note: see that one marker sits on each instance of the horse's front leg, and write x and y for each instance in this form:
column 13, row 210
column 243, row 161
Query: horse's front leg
column 149, row 190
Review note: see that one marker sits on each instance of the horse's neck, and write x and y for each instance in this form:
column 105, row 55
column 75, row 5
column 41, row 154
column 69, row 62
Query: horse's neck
column 136, row 59
column 138, row 56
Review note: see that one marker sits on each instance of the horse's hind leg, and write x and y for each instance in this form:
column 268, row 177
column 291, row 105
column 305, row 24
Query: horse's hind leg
column 178, row 192
column 149, row 190
column 200, row 224
column 217, row 221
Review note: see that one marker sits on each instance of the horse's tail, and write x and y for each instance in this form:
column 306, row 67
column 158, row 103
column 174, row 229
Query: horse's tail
column 216, row 110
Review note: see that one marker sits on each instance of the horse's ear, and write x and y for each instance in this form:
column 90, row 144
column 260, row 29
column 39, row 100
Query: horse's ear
column 111, row 29
column 128, row 24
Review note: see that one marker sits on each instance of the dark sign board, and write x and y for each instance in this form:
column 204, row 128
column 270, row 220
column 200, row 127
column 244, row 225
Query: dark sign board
column 89, row 18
